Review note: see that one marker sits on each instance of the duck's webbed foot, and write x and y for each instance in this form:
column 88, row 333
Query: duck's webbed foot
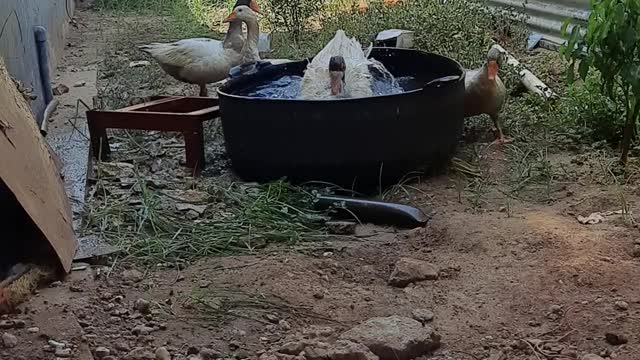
column 499, row 135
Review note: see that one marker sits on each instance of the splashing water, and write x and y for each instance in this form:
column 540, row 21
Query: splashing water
column 288, row 86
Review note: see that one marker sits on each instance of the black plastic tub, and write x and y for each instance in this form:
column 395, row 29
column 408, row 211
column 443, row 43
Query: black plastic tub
column 361, row 143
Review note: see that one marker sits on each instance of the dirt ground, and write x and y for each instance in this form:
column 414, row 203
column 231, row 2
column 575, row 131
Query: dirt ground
column 509, row 270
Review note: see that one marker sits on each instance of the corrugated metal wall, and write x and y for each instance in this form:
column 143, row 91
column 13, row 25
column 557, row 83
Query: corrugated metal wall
column 547, row 16
column 17, row 42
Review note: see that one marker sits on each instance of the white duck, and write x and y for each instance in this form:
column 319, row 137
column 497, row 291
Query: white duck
column 340, row 69
column 202, row 61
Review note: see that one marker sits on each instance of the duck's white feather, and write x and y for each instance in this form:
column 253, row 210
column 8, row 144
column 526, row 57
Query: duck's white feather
column 358, row 79
column 196, row 61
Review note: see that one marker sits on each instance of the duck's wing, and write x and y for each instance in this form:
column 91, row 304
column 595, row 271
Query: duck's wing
column 185, row 51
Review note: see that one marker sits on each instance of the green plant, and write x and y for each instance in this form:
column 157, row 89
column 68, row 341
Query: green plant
column 611, row 46
column 293, row 16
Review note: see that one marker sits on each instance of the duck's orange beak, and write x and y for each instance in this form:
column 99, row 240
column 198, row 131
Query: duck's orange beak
column 492, row 69
column 231, row 17
column 255, row 7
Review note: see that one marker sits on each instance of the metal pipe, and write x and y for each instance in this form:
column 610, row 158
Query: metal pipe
column 43, row 65
column 48, row 111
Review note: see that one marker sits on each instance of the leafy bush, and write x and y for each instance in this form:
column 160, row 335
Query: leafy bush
column 292, row 16
column 461, row 29
column 611, row 46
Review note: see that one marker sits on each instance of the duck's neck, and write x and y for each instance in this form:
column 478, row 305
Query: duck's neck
column 234, row 39
column 250, row 50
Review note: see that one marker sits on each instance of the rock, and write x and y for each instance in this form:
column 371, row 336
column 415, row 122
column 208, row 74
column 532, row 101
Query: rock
column 142, row 330
column 33, row 330
column 60, row 89
column 56, row 344
column 341, row 227
column 636, row 250
column 242, row 354
column 284, row 325
column 209, row 354
column 340, row 350
column 123, row 347
column 591, row 357
column 101, row 352
column 63, row 353
column 142, row 306
column 7, row 324
column 132, row 275
column 555, row 309
column 193, row 350
column 272, row 318
column 408, row 271
column 139, row 354
column 394, row 337
column 422, row 315
column 141, row 63
column 80, row 83
column 9, row 341
column 109, row 358
column 292, row 348
column 615, row 339
column 318, row 295
column 162, row 354
column 621, row 305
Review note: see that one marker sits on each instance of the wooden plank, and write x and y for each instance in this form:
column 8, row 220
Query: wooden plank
column 28, row 169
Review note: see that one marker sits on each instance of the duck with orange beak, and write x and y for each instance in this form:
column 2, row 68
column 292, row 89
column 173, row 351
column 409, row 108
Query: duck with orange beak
column 203, row 61
column 485, row 92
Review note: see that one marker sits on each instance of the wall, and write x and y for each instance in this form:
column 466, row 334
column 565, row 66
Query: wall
column 17, row 43
column 547, row 16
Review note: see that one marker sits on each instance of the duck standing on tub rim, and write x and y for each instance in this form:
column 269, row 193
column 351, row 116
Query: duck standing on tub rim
column 485, row 92
column 203, row 61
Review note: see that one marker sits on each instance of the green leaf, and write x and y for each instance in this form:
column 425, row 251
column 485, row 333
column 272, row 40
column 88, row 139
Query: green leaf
column 583, row 69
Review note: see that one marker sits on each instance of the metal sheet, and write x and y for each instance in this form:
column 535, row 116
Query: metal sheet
column 545, row 16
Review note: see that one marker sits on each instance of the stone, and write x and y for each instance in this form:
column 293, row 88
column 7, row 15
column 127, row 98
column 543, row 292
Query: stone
column 422, row 315
column 636, row 250
column 272, row 318
column 63, row 353
column 162, row 354
column 394, row 337
column 139, row 354
column 209, row 354
column 123, row 347
column 60, row 89
column 591, row 357
column 193, row 350
column 140, row 63
column 142, row 306
column 409, row 271
column 241, row 354
column 284, row 325
column 7, row 324
column 615, row 339
column 132, row 275
column 341, row 227
column 101, row 352
column 340, row 350
column 621, row 305
column 555, row 309
column 142, row 330
column 33, row 330
column 292, row 348
column 9, row 341
column 80, row 83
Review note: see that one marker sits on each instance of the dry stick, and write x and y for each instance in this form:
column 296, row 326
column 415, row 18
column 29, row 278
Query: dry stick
column 465, row 353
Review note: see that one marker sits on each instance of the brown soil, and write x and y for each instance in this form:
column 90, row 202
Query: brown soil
column 510, row 270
